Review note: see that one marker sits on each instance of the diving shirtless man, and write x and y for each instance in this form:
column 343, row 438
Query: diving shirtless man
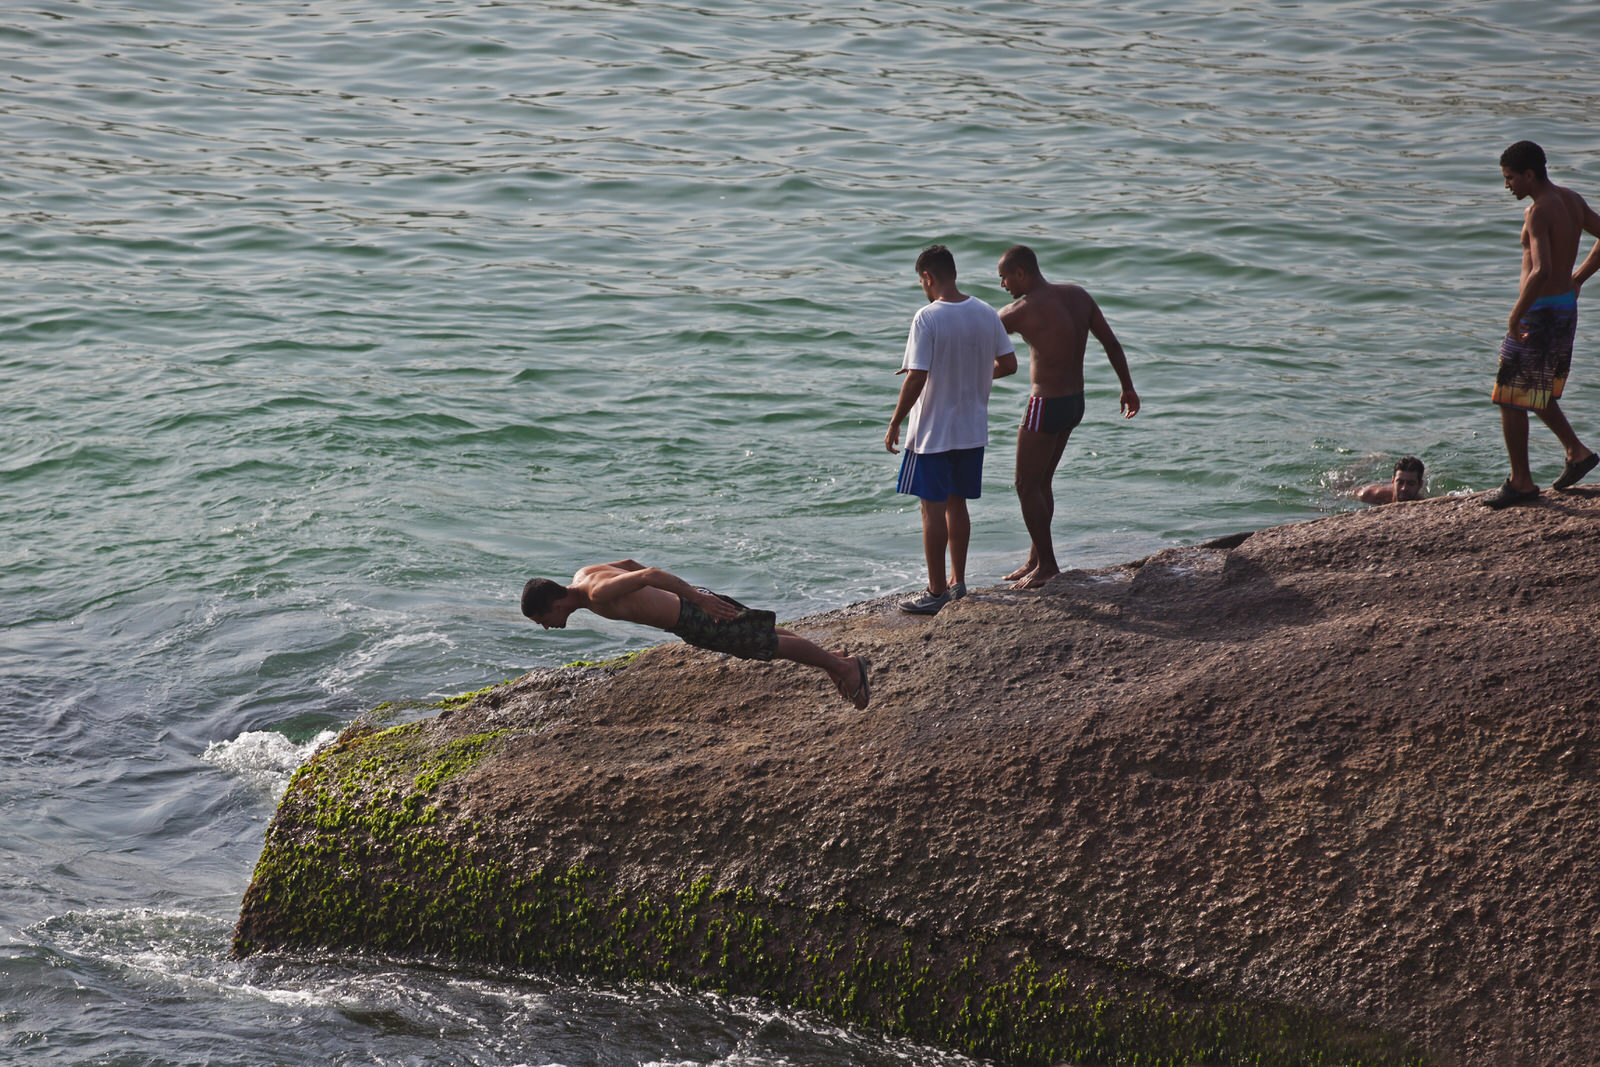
column 631, row 592
column 1056, row 321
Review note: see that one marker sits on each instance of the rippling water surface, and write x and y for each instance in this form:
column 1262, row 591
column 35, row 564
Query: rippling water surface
column 326, row 325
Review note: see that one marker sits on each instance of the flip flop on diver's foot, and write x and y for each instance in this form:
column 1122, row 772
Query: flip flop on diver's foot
column 1505, row 496
column 863, row 694
column 1576, row 469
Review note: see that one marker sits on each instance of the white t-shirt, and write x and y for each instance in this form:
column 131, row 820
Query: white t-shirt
column 957, row 344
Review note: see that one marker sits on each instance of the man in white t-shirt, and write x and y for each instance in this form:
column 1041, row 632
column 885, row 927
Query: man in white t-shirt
column 956, row 349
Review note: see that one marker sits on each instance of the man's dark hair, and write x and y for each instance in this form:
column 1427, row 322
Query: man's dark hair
column 1020, row 256
column 937, row 261
column 1525, row 156
column 1409, row 463
column 538, row 596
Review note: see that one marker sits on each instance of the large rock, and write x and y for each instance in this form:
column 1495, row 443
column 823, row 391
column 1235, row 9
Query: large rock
column 1326, row 789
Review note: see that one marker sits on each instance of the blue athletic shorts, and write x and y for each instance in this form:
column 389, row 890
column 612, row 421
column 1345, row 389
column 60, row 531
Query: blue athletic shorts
column 941, row 475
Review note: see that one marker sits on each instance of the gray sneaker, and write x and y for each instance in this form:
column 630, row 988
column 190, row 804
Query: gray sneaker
column 958, row 590
column 926, row 604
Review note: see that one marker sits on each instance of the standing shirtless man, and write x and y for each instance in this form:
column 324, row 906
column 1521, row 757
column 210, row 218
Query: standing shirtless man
column 1537, row 350
column 631, row 592
column 1056, row 321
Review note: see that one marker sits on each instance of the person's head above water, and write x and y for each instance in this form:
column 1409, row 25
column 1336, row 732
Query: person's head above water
column 1404, row 484
column 1407, row 480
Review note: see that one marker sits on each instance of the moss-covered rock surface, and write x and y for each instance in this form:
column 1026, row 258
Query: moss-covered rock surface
column 377, row 865
column 1319, row 795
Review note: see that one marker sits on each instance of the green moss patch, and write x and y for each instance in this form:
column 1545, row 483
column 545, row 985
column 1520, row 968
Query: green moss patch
column 615, row 663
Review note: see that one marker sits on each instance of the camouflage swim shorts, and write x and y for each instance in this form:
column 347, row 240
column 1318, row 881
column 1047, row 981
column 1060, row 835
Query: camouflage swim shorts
column 750, row 634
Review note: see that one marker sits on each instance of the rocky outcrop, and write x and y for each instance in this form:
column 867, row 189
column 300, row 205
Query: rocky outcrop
column 1328, row 789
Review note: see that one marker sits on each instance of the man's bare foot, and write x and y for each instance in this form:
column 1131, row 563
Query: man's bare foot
column 1035, row 579
column 1025, row 569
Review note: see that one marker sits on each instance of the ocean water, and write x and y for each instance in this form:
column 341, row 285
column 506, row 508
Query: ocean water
column 325, row 325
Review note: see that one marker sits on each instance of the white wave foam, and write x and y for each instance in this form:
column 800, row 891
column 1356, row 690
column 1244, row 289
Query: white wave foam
column 264, row 758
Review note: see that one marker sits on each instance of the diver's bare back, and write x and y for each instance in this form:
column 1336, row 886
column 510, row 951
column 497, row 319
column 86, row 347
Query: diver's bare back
column 647, row 606
column 1054, row 320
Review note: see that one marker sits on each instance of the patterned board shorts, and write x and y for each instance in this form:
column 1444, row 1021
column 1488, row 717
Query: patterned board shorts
column 1533, row 370
column 751, row 634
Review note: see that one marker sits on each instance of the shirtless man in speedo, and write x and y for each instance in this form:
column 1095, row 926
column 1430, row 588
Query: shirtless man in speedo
column 631, row 592
column 1056, row 321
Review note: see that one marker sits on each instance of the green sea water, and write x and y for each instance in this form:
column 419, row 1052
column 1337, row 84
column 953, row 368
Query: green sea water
column 325, row 325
